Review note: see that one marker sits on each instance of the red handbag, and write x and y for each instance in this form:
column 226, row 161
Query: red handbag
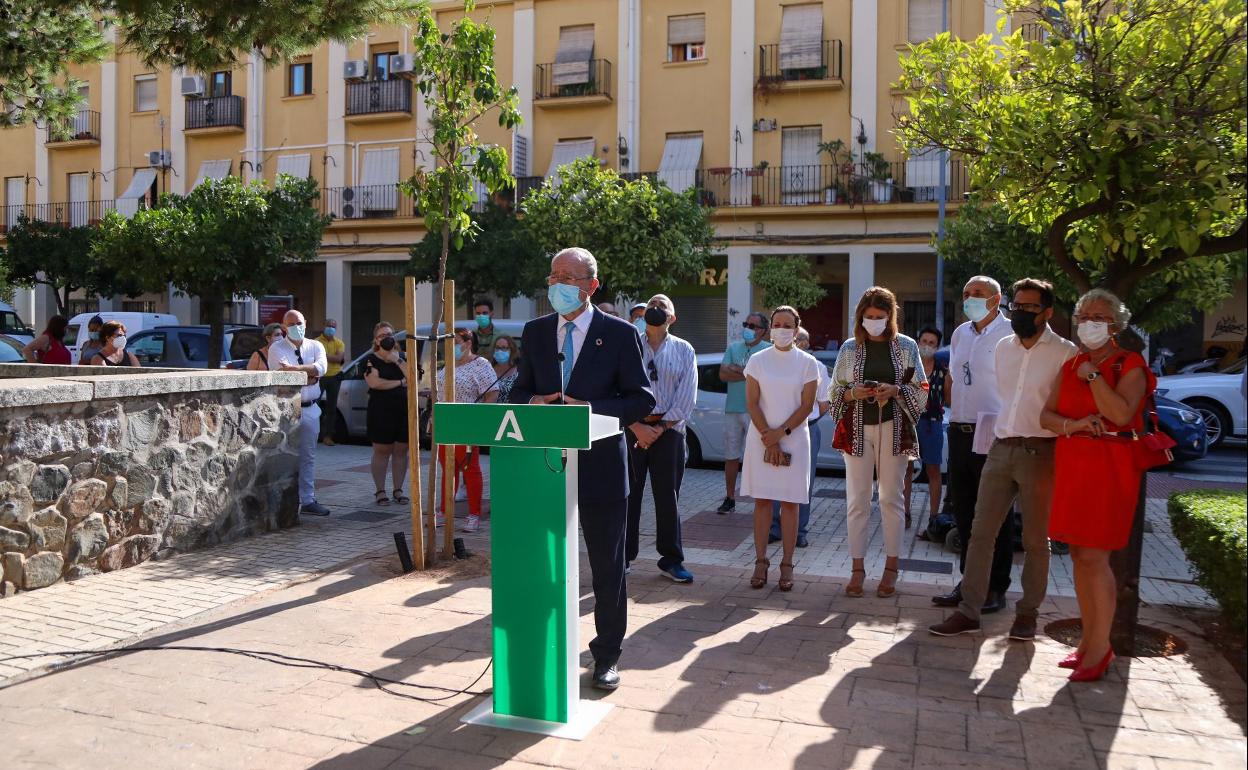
column 1152, row 449
column 843, row 438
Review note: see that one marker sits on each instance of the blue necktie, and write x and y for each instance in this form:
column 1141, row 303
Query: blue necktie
column 568, row 351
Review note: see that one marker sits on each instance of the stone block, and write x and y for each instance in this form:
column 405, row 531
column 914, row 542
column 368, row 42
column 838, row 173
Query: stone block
column 153, row 516
column 16, row 505
column 244, row 470
column 13, row 540
column 212, row 419
column 19, row 472
column 140, row 485
column 12, row 567
column 104, row 429
column 182, row 504
column 142, row 427
column 129, row 552
column 83, row 470
column 44, row 390
column 166, row 457
column 113, row 462
column 49, row 482
column 39, row 436
column 89, row 539
column 42, row 569
column 83, row 498
column 47, row 530
column 120, row 492
column 190, row 424
column 269, row 439
column 79, row 571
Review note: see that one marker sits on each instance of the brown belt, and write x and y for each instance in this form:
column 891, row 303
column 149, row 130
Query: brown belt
column 652, row 419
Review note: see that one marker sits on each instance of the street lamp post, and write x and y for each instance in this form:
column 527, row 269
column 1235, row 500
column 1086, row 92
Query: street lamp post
column 943, row 159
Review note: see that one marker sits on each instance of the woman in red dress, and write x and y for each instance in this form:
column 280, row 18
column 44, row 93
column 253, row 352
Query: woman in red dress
column 1096, row 408
column 49, row 347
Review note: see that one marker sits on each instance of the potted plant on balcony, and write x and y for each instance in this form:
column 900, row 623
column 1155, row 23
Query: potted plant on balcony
column 879, row 171
column 840, row 158
column 757, row 170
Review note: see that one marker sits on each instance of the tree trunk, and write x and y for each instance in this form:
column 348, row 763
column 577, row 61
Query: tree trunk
column 62, row 300
column 212, row 305
column 1126, row 564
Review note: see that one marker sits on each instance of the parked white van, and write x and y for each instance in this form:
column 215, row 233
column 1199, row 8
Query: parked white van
column 76, row 335
column 13, row 325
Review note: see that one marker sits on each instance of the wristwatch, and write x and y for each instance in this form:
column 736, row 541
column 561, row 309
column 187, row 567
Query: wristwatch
column 1092, row 377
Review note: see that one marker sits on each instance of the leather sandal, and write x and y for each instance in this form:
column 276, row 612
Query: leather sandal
column 852, row 590
column 759, row 579
column 399, row 497
column 380, row 498
column 883, row 591
column 785, row 583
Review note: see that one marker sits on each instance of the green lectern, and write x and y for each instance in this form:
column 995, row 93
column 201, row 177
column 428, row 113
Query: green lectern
column 535, row 558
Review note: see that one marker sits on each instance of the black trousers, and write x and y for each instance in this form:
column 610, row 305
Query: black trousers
column 965, row 468
column 664, row 462
column 603, row 525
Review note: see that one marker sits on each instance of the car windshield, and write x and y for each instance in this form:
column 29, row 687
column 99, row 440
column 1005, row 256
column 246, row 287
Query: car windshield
column 1235, row 368
column 11, row 324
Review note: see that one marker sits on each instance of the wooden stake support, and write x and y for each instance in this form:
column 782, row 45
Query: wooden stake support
column 413, row 421
column 449, row 473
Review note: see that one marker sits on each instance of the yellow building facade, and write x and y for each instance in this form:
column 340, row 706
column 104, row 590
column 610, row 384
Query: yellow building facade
column 732, row 97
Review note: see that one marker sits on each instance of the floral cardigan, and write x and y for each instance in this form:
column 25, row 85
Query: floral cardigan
column 911, row 399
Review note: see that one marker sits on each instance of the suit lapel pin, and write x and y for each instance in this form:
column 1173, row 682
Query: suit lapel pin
column 598, row 341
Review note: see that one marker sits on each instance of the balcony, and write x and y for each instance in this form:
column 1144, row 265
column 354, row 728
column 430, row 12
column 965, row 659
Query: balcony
column 82, row 130
column 214, row 114
column 596, row 90
column 773, row 77
column 379, row 100
column 383, row 201
column 68, row 213
column 1034, row 32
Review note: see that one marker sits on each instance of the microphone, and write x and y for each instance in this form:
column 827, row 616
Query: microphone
column 559, row 371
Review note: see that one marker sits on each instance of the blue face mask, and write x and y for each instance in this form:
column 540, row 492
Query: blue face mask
column 459, row 352
column 564, row 298
column 295, row 332
column 976, row 308
column 93, row 335
column 483, row 321
column 330, row 331
column 502, row 356
column 749, row 335
column 640, row 325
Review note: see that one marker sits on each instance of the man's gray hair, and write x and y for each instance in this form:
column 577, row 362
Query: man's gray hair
column 762, row 317
column 988, row 279
column 581, row 255
column 666, row 300
column 1121, row 314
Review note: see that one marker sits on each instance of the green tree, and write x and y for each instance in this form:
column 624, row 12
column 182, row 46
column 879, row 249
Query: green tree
column 643, row 234
column 59, row 257
column 786, row 281
column 498, row 257
column 1119, row 137
column 222, row 240
column 43, row 37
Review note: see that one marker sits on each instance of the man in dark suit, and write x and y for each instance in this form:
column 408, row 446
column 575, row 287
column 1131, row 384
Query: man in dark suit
column 580, row 354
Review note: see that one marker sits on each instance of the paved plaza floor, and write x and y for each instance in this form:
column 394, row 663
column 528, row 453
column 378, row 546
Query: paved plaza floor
column 715, row 674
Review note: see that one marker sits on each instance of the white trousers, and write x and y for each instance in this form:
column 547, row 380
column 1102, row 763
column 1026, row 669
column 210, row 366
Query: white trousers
column 877, row 446
column 309, row 431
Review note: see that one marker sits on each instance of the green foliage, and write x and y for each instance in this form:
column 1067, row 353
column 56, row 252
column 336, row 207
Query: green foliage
column 1120, row 138
column 498, row 258
column 1210, row 525
column 786, row 281
column 643, row 234
column 223, row 239
column 45, row 36
column 51, row 254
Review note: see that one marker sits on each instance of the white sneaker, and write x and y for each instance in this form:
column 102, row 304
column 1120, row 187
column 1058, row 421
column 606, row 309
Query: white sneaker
column 473, row 524
column 461, row 495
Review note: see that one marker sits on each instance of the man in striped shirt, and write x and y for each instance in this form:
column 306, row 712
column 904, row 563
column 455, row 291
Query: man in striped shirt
column 657, row 443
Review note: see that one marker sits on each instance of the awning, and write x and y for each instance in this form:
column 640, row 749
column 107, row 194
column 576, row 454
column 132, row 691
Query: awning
column 379, row 179
column 923, row 20
column 682, row 30
column 801, row 37
column 576, row 48
column 681, row 156
column 212, row 169
column 140, row 183
column 298, row 166
column 564, row 153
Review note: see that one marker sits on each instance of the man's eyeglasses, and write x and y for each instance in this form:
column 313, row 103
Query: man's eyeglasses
column 751, row 325
column 966, row 372
column 1026, row 307
column 654, row 372
column 569, row 279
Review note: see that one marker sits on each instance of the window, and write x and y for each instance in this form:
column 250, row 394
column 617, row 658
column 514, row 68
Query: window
column 801, row 37
column 299, row 79
column 379, row 179
column 799, row 160
column 79, row 199
column 682, row 154
column 145, row 93
column 220, row 83
column 923, row 19
column 149, row 349
column 381, row 64
column 194, row 347
column 686, row 37
column 14, row 199
column 138, row 306
column 78, row 307
column 576, row 49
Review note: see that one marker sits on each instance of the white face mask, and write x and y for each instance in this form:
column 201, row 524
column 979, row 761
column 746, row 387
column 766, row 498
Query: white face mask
column 119, row 342
column 783, row 337
column 927, row 351
column 1093, row 334
column 875, row 326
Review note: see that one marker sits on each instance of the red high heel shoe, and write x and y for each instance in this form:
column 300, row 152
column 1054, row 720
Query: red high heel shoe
column 1071, row 661
column 1093, row 673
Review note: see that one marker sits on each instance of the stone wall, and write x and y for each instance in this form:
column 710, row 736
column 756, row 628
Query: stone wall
column 101, row 470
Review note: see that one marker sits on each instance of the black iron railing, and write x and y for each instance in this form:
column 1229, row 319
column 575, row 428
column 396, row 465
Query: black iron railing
column 913, row 181
column 367, row 202
column 370, row 97
column 214, row 112
column 85, row 125
column 598, row 84
column 770, row 69
column 1033, row 32
column 70, row 213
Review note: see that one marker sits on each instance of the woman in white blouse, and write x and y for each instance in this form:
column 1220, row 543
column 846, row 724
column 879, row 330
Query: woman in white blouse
column 474, row 383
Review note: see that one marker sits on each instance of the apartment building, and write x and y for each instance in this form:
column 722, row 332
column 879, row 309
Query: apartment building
column 733, row 97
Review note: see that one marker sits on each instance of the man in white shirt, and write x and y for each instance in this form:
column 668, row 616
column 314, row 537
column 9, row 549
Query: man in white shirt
column 1020, row 463
column 296, row 353
column 973, row 395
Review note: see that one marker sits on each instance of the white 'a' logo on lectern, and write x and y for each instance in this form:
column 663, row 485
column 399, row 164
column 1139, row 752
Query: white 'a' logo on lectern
column 509, row 419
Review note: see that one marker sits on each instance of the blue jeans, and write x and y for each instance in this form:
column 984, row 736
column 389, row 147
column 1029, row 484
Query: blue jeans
column 803, row 511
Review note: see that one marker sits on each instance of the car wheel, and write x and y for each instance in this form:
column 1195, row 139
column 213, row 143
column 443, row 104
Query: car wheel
column 1217, row 420
column 693, row 450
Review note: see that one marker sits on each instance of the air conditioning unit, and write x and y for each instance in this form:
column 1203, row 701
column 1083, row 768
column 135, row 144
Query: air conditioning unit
column 192, row 85
column 160, row 158
column 403, row 64
column 356, row 69
column 349, row 209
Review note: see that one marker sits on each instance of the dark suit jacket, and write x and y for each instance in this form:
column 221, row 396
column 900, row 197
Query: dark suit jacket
column 608, row 374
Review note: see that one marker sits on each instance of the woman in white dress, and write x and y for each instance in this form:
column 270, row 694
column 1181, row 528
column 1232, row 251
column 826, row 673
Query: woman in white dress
column 780, row 384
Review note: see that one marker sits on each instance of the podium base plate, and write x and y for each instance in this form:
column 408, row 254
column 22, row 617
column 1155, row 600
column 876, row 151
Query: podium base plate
column 589, row 714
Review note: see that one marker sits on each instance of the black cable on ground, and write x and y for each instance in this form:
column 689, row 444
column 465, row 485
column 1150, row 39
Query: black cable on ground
column 272, row 657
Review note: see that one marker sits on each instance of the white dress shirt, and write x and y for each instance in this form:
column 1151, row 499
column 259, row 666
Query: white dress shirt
column 283, row 351
column 676, row 389
column 1025, row 378
column 579, row 332
column 823, row 390
column 971, row 351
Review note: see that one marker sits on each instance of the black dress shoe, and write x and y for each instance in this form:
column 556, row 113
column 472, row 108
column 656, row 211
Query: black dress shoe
column 606, row 677
column 994, row 603
column 951, row 599
column 802, row 542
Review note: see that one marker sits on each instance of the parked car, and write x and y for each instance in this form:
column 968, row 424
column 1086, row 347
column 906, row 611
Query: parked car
column 11, row 350
column 12, row 325
column 1216, row 396
column 76, row 334
column 353, row 395
column 1186, row 427
column 186, row 347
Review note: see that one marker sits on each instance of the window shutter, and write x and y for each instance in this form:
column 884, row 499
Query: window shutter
column 79, row 186
column 298, row 166
column 379, row 180
column 519, row 154
column 140, row 183
column 801, row 37
column 923, row 20
column 212, row 169
column 681, row 156
column 682, row 30
column 799, row 158
column 923, row 173
column 564, row 153
column 576, row 48
column 145, row 93
column 14, row 199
